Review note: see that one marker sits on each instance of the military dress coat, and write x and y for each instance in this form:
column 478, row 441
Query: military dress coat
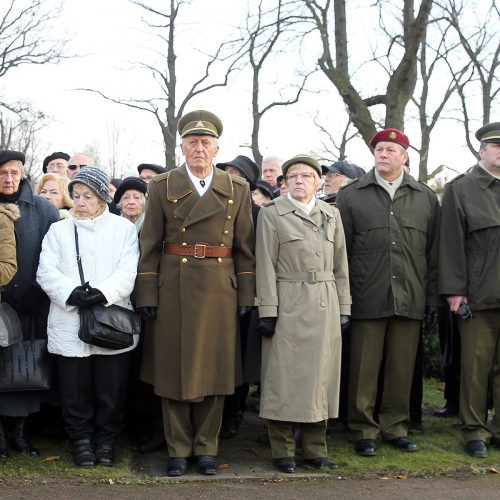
column 392, row 247
column 470, row 239
column 8, row 263
column 191, row 349
column 302, row 279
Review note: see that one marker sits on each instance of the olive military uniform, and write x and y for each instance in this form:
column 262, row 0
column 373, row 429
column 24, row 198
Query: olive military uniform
column 469, row 266
column 392, row 249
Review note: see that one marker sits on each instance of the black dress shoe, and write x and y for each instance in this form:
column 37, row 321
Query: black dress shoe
column 286, row 465
column 177, row 466
column 476, row 448
column 403, row 444
column 321, row 463
column 4, row 449
column 207, row 465
column 366, row 448
column 83, row 456
column 449, row 410
column 105, row 455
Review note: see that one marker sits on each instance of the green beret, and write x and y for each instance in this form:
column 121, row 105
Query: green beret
column 489, row 133
column 200, row 122
column 306, row 159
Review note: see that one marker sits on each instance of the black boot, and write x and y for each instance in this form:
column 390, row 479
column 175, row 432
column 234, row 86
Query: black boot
column 19, row 439
column 83, row 456
column 4, row 449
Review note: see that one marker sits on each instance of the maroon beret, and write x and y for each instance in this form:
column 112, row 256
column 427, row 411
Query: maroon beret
column 390, row 135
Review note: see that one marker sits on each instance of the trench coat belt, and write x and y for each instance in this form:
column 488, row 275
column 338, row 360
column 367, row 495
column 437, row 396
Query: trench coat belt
column 308, row 277
column 198, row 251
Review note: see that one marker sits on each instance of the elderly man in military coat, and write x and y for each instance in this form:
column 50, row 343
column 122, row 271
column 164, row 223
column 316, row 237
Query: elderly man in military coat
column 196, row 272
column 391, row 225
column 469, row 277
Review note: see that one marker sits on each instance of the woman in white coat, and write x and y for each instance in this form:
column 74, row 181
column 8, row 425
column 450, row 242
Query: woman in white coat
column 303, row 295
column 92, row 379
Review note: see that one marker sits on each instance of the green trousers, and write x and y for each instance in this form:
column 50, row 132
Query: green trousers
column 192, row 428
column 397, row 338
column 281, row 436
column 480, row 347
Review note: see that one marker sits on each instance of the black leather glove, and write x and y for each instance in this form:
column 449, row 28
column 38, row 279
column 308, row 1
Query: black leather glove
column 431, row 318
column 345, row 322
column 94, row 297
column 244, row 311
column 147, row 312
column 78, row 296
column 266, row 326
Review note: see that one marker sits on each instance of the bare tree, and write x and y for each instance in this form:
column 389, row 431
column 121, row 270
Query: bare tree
column 119, row 150
column 399, row 61
column 168, row 108
column 262, row 33
column 25, row 26
column 481, row 45
column 19, row 127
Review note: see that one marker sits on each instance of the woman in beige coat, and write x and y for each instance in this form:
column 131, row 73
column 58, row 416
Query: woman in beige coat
column 303, row 295
column 8, row 263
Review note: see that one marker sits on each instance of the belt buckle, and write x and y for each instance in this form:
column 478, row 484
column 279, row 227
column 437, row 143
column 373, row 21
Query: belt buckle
column 311, row 277
column 199, row 254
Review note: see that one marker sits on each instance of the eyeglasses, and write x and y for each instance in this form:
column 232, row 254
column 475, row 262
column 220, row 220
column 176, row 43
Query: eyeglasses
column 305, row 175
column 74, row 167
column 56, row 166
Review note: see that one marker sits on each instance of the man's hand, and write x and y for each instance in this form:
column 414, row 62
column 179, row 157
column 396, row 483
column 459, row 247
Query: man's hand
column 345, row 322
column 266, row 326
column 454, row 301
column 147, row 312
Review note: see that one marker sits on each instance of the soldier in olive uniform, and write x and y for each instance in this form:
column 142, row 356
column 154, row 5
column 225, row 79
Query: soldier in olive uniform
column 196, row 270
column 469, row 274
column 391, row 224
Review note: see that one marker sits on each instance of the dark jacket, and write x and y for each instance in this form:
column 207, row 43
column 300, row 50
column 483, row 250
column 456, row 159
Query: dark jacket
column 469, row 259
column 392, row 247
column 37, row 214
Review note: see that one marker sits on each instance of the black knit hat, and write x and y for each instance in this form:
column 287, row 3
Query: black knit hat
column 54, row 156
column 135, row 183
column 246, row 166
column 8, row 155
column 95, row 178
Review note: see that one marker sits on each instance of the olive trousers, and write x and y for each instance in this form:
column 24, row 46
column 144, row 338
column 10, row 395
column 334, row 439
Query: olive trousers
column 480, row 346
column 397, row 337
column 282, row 438
column 192, row 428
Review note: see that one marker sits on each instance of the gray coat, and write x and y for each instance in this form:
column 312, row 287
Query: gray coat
column 302, row 278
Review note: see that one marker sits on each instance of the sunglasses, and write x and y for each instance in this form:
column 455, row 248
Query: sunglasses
column 74, row 167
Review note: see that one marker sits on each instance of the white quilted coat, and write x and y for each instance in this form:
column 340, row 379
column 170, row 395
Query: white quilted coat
column 110, row 252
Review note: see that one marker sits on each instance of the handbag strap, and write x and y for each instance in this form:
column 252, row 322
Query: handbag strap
column 78, row 257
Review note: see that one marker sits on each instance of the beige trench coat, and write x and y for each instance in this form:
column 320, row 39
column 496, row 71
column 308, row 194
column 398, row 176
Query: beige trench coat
column 302, row 278
column 8, row 263
column 191, row 349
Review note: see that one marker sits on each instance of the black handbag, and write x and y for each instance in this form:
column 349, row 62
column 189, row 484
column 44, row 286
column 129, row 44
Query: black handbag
column 25, row 366
column 112, row 327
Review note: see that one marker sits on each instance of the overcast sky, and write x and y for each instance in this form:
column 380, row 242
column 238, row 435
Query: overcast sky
column 110, row 36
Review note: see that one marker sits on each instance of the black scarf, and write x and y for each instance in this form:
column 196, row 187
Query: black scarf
column 10, row 198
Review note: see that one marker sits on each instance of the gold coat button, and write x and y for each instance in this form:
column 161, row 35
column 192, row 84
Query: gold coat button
column 228, row 217
column 230, row 202
column 219, row 259
column 183, row 230
column 222, row 244
column 174, row 201
column 226, row 232
column 184, row 243
column 184, row 260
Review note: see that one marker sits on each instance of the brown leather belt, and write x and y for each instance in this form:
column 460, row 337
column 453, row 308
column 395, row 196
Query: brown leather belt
column 198, row 251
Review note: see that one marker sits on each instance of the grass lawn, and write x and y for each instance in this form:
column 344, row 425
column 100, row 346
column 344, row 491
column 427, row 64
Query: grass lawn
column 441, row 452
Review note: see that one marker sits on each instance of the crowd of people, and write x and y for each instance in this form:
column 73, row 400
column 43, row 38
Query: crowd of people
column 242, row 274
